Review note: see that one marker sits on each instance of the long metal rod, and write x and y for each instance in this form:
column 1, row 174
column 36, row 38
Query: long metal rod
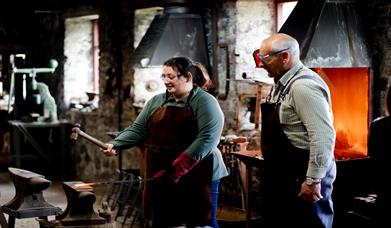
column 125, row 181
column 113, row 182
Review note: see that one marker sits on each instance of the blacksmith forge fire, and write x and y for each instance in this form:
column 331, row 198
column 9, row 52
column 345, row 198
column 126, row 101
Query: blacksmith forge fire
column 350, row 101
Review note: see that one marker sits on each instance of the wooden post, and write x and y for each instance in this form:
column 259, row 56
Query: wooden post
column 258, row 105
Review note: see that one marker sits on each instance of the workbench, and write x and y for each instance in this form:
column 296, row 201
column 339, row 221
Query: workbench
column 41, row 147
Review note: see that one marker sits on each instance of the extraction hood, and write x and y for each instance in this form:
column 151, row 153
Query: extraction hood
column 330, row 33
column 176, row 32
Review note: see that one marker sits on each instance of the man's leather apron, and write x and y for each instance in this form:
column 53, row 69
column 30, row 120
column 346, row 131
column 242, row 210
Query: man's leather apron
column 284, row 171
column 171, row 130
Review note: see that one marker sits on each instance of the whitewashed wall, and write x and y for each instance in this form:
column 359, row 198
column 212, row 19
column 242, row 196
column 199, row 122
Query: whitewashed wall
column 242, row 26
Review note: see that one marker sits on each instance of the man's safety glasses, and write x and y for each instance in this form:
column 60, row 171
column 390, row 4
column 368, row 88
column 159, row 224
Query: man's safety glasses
column 258, row 57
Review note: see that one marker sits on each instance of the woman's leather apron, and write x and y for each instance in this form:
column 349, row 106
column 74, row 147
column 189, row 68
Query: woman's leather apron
column 284, row 171
column 171, row 130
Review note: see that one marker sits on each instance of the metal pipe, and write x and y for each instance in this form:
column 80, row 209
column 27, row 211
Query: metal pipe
column 227, row 75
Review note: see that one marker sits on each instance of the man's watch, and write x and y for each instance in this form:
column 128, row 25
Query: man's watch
column 312, row 181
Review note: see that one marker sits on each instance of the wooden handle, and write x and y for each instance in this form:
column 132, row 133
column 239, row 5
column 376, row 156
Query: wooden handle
column 93, row 140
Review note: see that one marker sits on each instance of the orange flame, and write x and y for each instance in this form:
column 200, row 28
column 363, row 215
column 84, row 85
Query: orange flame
column 349, row 89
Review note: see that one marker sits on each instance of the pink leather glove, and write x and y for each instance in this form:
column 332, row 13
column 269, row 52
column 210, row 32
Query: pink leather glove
column 181, row 165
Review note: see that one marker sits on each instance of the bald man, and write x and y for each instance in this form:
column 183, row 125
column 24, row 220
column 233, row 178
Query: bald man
column 297, row 138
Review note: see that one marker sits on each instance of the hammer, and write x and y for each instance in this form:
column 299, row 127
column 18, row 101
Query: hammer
column 76, row 132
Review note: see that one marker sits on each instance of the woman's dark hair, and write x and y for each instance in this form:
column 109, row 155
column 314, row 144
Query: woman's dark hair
column 184, row 65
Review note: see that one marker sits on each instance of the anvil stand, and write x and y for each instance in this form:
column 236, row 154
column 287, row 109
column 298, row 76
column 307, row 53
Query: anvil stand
column 250, row 159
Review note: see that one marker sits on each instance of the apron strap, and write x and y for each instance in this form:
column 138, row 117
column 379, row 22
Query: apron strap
column 286, row 89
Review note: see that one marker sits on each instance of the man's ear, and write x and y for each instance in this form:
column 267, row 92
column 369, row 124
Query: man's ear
column 286, row 57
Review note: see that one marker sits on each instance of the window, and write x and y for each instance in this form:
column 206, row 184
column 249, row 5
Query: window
column 284, row 9
column 81, row 68
column 7, row 59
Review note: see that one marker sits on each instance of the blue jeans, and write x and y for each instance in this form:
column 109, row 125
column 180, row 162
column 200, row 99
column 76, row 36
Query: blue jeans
column 214, row 192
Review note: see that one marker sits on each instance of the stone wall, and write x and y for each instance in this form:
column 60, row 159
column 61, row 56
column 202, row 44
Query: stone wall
column 240, row 17
column 378, row 27
column 241, row 25
column 114, row 112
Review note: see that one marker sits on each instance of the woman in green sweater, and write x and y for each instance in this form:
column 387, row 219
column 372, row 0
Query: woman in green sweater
column 180, row 130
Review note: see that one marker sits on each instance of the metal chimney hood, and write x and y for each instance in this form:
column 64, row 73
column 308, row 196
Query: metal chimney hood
column 330, row 33
column 176, row 32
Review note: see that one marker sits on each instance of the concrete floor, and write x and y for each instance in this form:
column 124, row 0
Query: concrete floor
column 54, row 195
